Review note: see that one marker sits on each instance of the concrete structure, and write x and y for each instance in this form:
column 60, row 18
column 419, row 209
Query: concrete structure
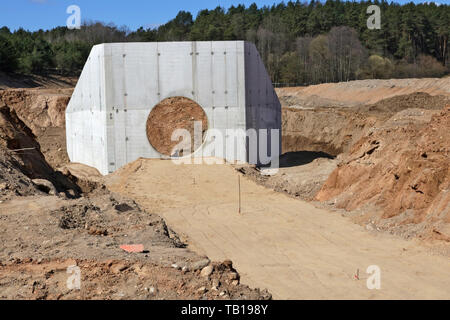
column 122, row 82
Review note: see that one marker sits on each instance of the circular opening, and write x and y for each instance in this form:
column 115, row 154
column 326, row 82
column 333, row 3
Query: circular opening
column 172, row 114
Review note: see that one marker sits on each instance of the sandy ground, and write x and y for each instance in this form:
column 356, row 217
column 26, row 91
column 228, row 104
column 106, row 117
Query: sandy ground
column 8, row 81
column 43, row 235
column 296, row 249
column 301, row 174
column 353, row 93
column 288, row 246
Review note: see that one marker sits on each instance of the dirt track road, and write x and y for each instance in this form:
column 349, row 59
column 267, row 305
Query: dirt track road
column 285, row 245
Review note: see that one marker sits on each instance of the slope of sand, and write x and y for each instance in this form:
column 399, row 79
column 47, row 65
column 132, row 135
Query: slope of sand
column 407, row 178
column 359, row 92
column 289, row 246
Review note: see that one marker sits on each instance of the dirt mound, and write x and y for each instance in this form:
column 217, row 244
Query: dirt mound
column 385, row 108
column 332, row 131
column 43, row 112
column 38, row 244
column 87, row 178
column 301, row 174
column 38, row 109
column 372, row 141
column 360, row 92
column 33, row 81
column 24, row 153
column 15, row 135
column 399, row 175
column 335, row 130
column 117, row 280
column 13, row 182
column 45, row 234
column 53, row 146
column 172, row 114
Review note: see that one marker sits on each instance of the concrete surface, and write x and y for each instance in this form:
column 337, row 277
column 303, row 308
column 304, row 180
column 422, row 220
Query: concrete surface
column 122, row 82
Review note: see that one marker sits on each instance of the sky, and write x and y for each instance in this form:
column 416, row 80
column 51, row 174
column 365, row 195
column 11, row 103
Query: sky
column 46, row 14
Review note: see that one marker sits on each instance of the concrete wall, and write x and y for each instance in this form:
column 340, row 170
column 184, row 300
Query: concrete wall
column 263, row 109
column 122, row 82
column 86, row 115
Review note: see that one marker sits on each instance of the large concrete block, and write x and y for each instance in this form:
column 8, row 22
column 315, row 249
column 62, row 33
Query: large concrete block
column 122, row 82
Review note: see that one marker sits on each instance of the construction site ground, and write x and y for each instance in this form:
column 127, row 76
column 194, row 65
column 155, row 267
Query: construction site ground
column 364, row 180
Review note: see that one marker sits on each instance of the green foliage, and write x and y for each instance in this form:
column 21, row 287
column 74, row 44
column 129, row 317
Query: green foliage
column 70, row 56
column 378, row 68
column 8, row 61
column 299, row 42
column 32, row 52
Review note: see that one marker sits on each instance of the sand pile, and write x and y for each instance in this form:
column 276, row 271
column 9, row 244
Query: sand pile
column 399, row 175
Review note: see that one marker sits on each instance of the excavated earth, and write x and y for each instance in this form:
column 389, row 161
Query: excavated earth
column 361, row 92
column 384, row 161
column 55, row 215
column 398, row 175
column 44, row 235
column 375, row 151
column 43, row 112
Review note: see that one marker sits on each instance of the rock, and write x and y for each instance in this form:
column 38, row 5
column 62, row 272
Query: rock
column 201, row 290
column 150, row 290
column 185, row 269
column 98, row 231
column 123, row 207
column 200, row 264
column 3, row 186
column 175, row 266
column 119, row 268
column 206, row 271
column 266, row 295
column 228, row 264
column 235, row 282
column 233, row 276
column 45, row 186
column 87, row 178
column 72, row 193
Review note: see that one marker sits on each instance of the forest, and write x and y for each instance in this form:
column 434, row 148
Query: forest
column 301, row 43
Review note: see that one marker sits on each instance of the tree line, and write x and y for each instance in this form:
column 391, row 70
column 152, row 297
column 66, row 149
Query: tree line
column 301, row 43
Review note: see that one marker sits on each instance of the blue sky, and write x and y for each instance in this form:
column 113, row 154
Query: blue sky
column 46, row 14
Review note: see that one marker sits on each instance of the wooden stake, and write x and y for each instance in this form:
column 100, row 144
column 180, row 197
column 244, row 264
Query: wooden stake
column 239, row 186
column 357, row 274
column 24, row 149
